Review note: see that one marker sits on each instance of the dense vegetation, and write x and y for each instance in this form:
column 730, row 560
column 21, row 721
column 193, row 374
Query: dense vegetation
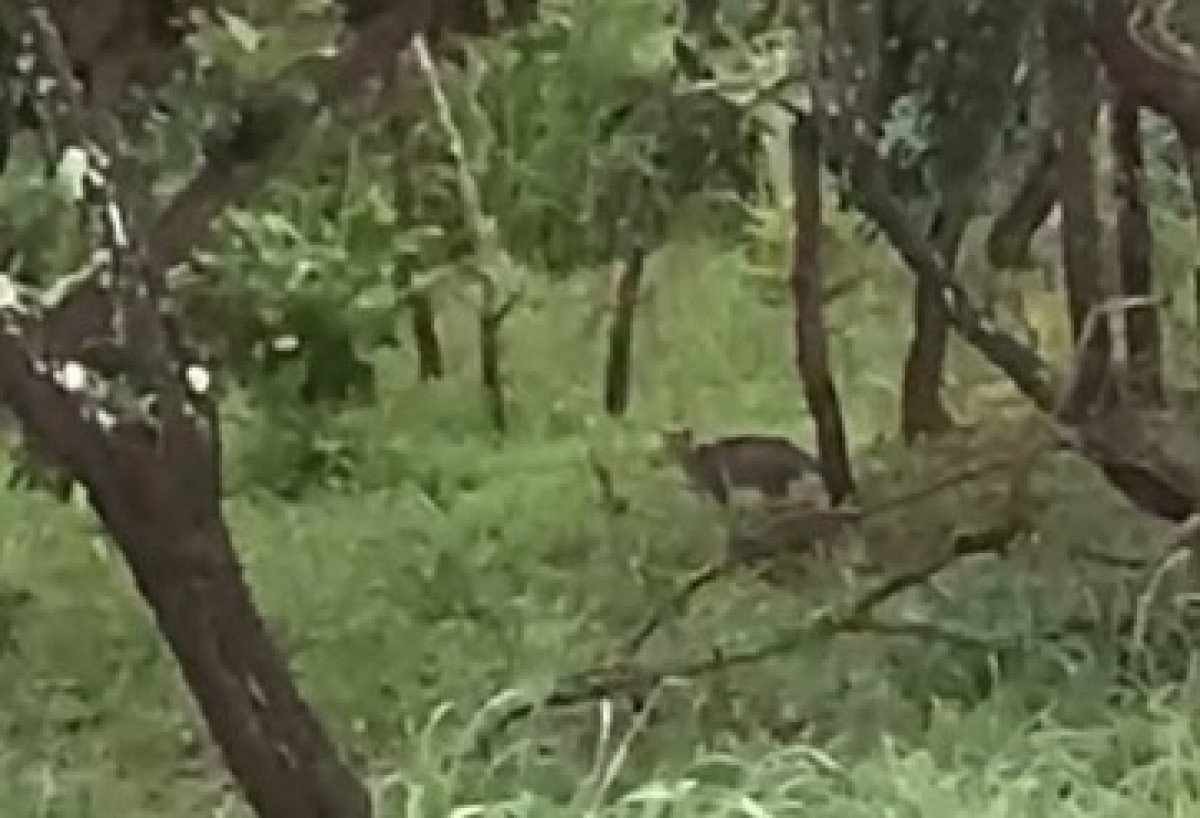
column 453, row 529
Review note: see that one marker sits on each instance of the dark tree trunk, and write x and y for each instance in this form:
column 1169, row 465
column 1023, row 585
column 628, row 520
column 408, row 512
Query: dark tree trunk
column 1009, row 239
column 430, row 366
column 812, row 354
column 617, row 370
column 1193, row 168
column 153, row 476
column 1073, row 75
column 489, row 368
column 921, row 409
column 158, row 495
column 1156, row 80
column 270, row 738
column 1145, row 336
column 1029, row 372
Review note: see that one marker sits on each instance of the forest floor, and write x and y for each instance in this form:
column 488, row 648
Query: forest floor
column 430, row 575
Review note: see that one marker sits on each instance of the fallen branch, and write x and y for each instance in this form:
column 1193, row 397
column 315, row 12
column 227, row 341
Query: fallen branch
column 713, row 571
column 628, row 680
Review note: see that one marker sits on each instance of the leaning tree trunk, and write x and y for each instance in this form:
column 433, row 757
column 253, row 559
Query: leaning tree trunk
column 812, row 349
column 1134, row 232
column 617, row 371
column 185, row 567
column 152, row 470
column 1073, row 75
column 1012, row 232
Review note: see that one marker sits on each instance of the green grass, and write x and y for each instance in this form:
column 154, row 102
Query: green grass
column 455, row 572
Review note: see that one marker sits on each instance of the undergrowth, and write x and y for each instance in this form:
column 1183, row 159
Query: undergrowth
column 431, row 575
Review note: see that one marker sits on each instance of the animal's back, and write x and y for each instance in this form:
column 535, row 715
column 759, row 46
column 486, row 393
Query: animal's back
column 766, row 463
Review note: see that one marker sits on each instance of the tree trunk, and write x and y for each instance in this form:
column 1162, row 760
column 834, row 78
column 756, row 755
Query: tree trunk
column 1011, row 233
column 620, row 338
column 152, row 471
column 1193, row 166
column 269, row 737
column 489, row 368
column 921, row 409
column 430, row 366
column 159, row 496
column 812, row 354
column 1133, row 226
column 1073, row 76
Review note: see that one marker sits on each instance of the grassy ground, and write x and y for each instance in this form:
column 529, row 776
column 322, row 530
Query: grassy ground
column 454, row 572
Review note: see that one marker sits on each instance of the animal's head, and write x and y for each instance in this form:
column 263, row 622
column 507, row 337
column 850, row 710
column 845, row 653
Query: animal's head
column 676, row 441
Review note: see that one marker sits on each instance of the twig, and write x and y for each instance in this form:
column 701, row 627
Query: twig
column 1109, row 560
column 963, row 475
column 482, row 228
column 1091, row 325
column 1178, row 549
column 702, row 577
column 928, row 631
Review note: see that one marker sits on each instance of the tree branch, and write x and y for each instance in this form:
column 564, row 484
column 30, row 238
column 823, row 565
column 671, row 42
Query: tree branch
column 1028, row 370
column 1167, row 86
column 274, row 125
column 627, row 679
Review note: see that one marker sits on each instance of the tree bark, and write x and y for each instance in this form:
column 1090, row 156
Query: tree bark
column 1073, row 76
column 430, row 365
column 1193, row 166
column 1165, row 86
column 617, row 371
column 158, row 495
column 270, row 738
column 807, row 280
column 1011, row 233
column 921, row 409
column 491, row 318
column 1134, row 231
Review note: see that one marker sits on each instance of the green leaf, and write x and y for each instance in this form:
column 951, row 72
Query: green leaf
column 240, row 29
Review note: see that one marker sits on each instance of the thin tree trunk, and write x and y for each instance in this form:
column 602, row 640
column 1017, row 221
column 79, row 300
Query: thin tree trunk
column 1073, row 77
column 1193, row 166
column 620, row 339
column 921, row 409
column 491, row 318
column 1133, row 225
column 430, row 365
column 812, row 354
column 489, row 370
